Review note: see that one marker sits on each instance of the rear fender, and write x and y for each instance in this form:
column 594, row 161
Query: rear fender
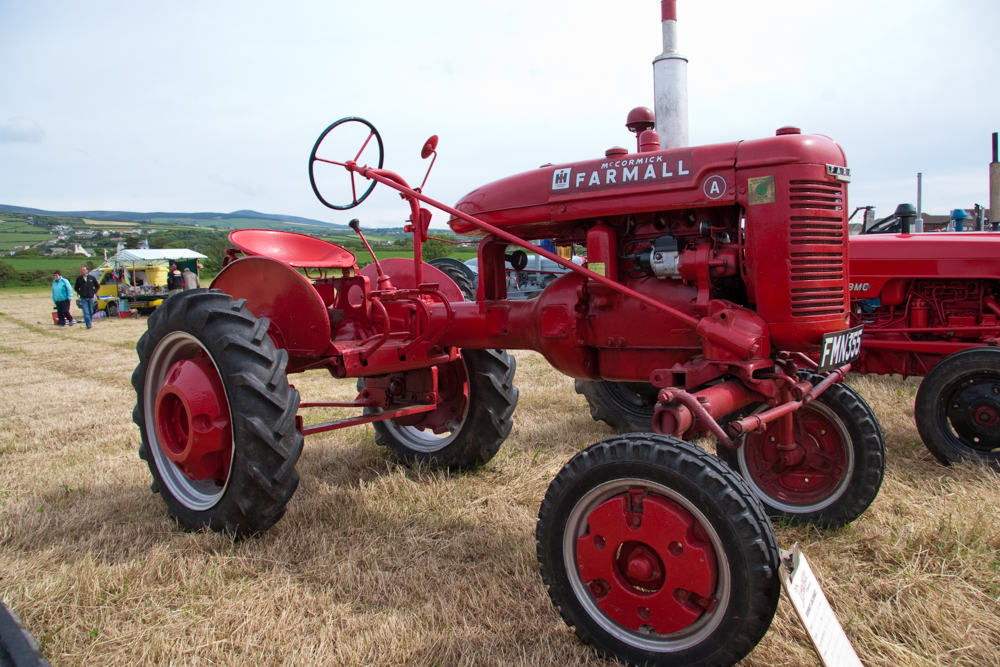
column 273, row 289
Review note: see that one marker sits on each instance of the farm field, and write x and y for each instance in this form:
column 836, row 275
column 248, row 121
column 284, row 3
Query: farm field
column 379, row 564
column 19, row 233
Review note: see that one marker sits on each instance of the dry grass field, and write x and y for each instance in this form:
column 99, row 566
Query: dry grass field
column 378, row 564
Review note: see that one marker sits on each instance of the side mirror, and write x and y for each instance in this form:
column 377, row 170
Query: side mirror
column 429, row 147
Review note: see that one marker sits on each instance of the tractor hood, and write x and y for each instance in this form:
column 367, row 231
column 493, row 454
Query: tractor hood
column 879, row 258
column 539, row 204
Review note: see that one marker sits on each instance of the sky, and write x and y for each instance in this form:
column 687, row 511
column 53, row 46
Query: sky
column 215, row 105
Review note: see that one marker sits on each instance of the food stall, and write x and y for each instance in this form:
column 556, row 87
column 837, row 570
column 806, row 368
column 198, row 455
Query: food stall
column 136, row 280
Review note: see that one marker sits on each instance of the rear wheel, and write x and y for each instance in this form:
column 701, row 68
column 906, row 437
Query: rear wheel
column 474, row 417
column 111, row 309
column 627, row 407
column 958, row 407
column 842, row 460
column 216, row 414
column 458, row 276
column 657, row 553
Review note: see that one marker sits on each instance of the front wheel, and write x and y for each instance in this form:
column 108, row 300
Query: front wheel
column 473, row 418
column 216, row 414
column 842, row 460
column 958, row 408
column 657, row 553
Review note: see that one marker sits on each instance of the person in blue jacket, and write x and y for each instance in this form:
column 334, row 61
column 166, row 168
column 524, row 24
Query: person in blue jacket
column 62, row 292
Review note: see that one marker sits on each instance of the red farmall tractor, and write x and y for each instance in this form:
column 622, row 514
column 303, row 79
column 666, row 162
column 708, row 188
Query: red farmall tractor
column 929, row 306
column 713, row 273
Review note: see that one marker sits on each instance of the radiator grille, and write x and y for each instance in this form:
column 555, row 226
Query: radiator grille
column 817, row 239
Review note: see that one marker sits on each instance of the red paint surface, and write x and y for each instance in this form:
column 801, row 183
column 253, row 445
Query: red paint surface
column 646, row 563
column 192, row 420
column 297, row 250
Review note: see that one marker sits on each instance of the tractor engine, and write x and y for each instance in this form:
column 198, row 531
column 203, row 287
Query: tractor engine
column 749, row 239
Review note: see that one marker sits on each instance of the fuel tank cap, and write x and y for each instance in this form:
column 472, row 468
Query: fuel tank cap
column 788, row 129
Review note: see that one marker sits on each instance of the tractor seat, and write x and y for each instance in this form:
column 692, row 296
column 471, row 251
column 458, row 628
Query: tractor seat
column 298, row 250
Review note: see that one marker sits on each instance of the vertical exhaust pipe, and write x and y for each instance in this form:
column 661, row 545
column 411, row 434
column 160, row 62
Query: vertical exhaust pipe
column 919, row 223
column 670, row 83
column 994, row 186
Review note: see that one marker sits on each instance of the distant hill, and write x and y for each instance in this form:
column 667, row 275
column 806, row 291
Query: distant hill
column 239, row 218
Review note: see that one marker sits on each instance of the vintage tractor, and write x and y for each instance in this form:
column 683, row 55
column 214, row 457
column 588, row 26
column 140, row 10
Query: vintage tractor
column 713, row 273
column 929, row 306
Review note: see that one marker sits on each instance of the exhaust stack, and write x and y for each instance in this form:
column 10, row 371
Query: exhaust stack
column 994, row 185
column 670, row 83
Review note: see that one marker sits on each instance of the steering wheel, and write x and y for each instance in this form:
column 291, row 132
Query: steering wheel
column 890, row 225
column 354, row 190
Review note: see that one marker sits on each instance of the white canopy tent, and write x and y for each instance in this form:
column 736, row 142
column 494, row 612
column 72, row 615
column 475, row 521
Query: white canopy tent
column 151, row 257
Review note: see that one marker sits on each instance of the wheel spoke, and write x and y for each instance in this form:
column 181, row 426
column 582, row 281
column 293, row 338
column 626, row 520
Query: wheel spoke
column 364, row 146
column 339, row 164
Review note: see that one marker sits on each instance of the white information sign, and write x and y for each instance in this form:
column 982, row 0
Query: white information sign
column 825, row 632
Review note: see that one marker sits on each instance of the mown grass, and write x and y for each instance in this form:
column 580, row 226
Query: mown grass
column 380, row 564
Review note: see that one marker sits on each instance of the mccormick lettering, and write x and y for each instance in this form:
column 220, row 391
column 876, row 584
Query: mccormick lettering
column 648, row 170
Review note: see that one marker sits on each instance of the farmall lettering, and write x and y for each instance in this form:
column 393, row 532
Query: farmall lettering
column 632, row 171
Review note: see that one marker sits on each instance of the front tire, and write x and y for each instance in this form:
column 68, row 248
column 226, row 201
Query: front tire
column 216, row 414
column 657, row 553
column 958, row 408
column 473, row 419
column 842, row 467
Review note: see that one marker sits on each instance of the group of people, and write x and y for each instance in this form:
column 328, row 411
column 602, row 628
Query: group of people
column 86, row 288
column 178, row 282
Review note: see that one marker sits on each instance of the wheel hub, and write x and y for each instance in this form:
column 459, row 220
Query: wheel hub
column 811, row 472
column 974, row 411
column 192, row 420
column 647, row 563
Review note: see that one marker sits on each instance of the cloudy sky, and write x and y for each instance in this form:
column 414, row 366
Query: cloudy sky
column 214, row 106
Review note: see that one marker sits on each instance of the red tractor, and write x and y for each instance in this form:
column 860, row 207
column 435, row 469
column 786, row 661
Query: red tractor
column 929, row 306
column 713, row 273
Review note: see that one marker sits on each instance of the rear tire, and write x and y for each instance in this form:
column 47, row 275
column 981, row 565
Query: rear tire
column 473, row 437
column 958, row 408
column 658, row 554
column 250, row 494
column 627, row 407
column 111, row 309
column 458, row 277
column 841, row 473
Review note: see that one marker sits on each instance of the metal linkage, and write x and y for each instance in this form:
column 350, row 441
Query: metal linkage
column 364, row 419
column 754, row 422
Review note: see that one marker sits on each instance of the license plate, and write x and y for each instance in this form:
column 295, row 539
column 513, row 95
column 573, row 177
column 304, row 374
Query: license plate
column 839, row 348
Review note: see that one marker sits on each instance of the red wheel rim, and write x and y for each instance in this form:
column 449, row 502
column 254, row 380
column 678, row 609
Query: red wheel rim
column 192, row 420
column 647, row 563
column 821, row 475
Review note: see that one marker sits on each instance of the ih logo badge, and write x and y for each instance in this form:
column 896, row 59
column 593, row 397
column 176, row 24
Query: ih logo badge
column 761, row 190
column 560, row 179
